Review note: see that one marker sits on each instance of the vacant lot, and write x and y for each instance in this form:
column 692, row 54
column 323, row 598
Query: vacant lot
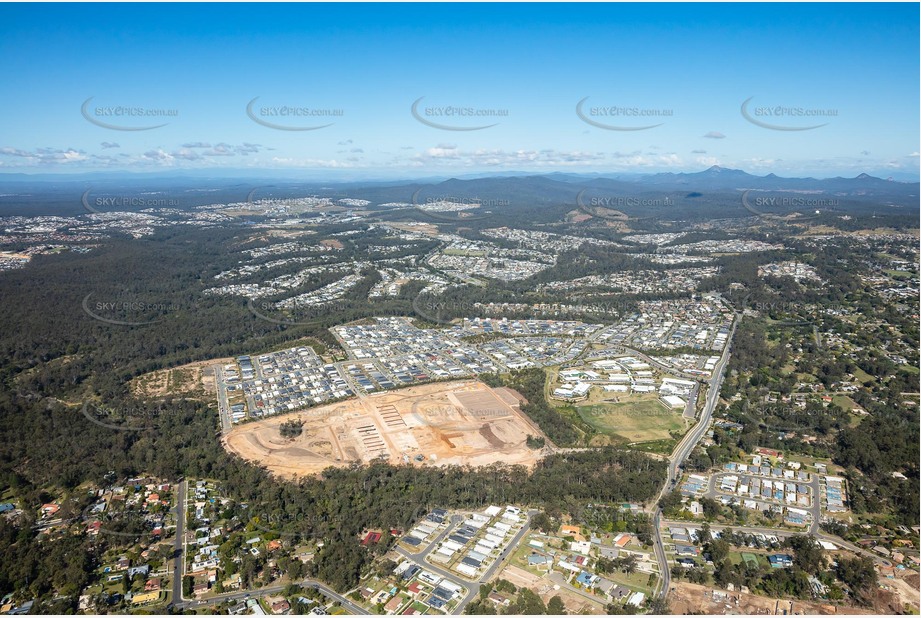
column 546, row 588
column 687, row 598
column 191, row 380
column 637, row 420
column 463, row 423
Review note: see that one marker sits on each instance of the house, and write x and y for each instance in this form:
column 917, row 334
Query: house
column 499, row 599
column 636, row 599
column 273, row 545
column 609, row 552
column 619, row 593
column 537, row 560
column 582, row 547
column 233, row 582
column 605, row 586
column 281, row 607
column 563, row 564
column 410, row 572
column 573, row 531
column 587, row 580
column 622, row 539
column 152, row 585
column 686, row 550
column 394, row 604
column 414, row 589
column 199, row 589
column 50, row 509
column 780, row 561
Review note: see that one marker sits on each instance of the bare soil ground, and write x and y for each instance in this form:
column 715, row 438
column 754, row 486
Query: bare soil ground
column 690, row 598
column 422, row 228
column 192, row 380
column 544, row 588
column 453, row 423
column 906, row 586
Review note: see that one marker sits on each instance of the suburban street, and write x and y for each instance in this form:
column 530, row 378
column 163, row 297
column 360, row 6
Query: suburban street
column 782, row 534
column 261, row 592
column 222, row 404
column 473, row 588
column 815, row 508
column 683, row 449
column 179, row 545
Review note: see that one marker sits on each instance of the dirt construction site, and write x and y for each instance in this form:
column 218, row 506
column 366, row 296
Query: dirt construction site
column 687, row 598
column 448, row 423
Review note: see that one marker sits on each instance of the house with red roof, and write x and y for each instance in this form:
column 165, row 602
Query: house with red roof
column 414, row 589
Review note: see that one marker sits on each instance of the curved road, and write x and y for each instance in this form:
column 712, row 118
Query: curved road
column 684, row 448
column 239, row 596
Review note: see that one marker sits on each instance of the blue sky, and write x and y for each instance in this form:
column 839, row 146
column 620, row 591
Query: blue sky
column 688, row 68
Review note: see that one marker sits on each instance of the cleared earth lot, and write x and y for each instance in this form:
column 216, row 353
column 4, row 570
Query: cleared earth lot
column 459, row 423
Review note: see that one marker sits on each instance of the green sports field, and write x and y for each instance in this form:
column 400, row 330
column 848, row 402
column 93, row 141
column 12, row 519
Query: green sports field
column 640, row 420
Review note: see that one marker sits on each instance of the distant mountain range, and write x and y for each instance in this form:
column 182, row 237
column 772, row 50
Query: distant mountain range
column 686, row 192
